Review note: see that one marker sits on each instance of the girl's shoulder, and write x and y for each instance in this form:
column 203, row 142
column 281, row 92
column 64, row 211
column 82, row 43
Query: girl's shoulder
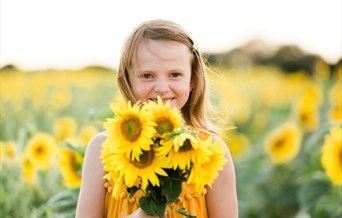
column 98, row 139
column 95, row 143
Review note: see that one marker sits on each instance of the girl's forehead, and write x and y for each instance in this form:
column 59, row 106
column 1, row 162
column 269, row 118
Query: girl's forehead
column 156, row 53
column 161, row 47
column 162, row 50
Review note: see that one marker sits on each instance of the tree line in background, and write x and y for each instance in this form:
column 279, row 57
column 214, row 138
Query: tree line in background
column 289, row 58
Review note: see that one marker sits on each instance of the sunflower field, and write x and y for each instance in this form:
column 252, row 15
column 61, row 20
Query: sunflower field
column 282, row 129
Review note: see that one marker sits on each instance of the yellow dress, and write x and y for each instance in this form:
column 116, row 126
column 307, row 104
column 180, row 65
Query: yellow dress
column 194, row 202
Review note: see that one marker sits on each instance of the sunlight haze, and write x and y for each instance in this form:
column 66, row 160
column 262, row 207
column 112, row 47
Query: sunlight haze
column 41, row 34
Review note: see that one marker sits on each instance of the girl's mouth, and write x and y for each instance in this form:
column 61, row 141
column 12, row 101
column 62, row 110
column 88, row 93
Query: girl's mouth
column 165, row 100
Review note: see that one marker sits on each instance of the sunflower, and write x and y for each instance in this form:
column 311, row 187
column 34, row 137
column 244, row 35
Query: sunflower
column 238, row 144
column 205, row 173
column 331, row 158
column 131, row 131
column 307, row 112
column 144, row 168
column 64, row 128
column 167, row 120
column 181, row 150
column 70, row 165
column 86, row 133
column 10, row 149
column 41, row 149
column 29, row 171
column 284, row 143
column 335, row 113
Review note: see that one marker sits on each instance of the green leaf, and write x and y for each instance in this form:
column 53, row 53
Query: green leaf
column 152, row 206
column 132, row 191
column 310, row 193
column 63, row 199
column 328, row 206
column 316, row 138
column 171, row 189
column 180, row 131
column 183, row 212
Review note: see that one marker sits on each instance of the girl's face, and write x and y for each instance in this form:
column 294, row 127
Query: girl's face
column 162, row 68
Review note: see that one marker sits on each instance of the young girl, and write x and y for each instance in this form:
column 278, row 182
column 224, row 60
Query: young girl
column 160, row 59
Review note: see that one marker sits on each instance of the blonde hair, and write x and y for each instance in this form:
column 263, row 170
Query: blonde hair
column 194, row 110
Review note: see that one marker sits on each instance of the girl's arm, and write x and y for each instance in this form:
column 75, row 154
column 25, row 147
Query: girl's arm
column 92, row 193
column 221, row 198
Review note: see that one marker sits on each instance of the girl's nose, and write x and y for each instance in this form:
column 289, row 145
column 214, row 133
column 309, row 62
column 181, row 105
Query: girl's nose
column 161, row 86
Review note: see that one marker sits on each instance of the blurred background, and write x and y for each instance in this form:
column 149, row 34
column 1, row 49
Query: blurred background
column 275, row 76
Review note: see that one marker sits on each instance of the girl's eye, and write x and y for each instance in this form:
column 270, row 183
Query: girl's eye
column 147, row 76
column 175, row 75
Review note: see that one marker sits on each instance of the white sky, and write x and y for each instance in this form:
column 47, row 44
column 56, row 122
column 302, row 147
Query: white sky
column 39, row 34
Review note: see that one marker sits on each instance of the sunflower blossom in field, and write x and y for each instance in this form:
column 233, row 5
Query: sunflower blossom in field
column 283, row 144
column 149, row 149
column 86, row 133
column 29, row 170
column 40, row 149
column 307, row 109
column 238, row 144
column 331, row 158
column 8, row 151
column 70, row 164
column 64, row 128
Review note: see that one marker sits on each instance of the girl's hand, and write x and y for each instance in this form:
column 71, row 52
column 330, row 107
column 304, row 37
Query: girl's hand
column 140, row 214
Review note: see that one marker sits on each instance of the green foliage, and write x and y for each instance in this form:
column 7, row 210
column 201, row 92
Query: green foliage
column 18, row 199
column 62, row 204
column 152, row 205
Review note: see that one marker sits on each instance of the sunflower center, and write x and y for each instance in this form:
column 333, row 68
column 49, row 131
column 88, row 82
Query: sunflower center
column 27, row 164
column 186, row 146
column 279, row 143
column 304, row 117
column 39, row 150
column 163, row 126
column 145, row 159
column 131, row 129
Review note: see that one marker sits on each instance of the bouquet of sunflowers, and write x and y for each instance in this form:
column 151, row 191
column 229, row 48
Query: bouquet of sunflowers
column 148, row 148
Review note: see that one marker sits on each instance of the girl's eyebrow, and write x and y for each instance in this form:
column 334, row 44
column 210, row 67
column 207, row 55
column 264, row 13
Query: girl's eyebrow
column 146, row 71
column 176, row 68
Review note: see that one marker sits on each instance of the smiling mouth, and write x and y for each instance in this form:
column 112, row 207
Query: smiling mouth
column 163, row 99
